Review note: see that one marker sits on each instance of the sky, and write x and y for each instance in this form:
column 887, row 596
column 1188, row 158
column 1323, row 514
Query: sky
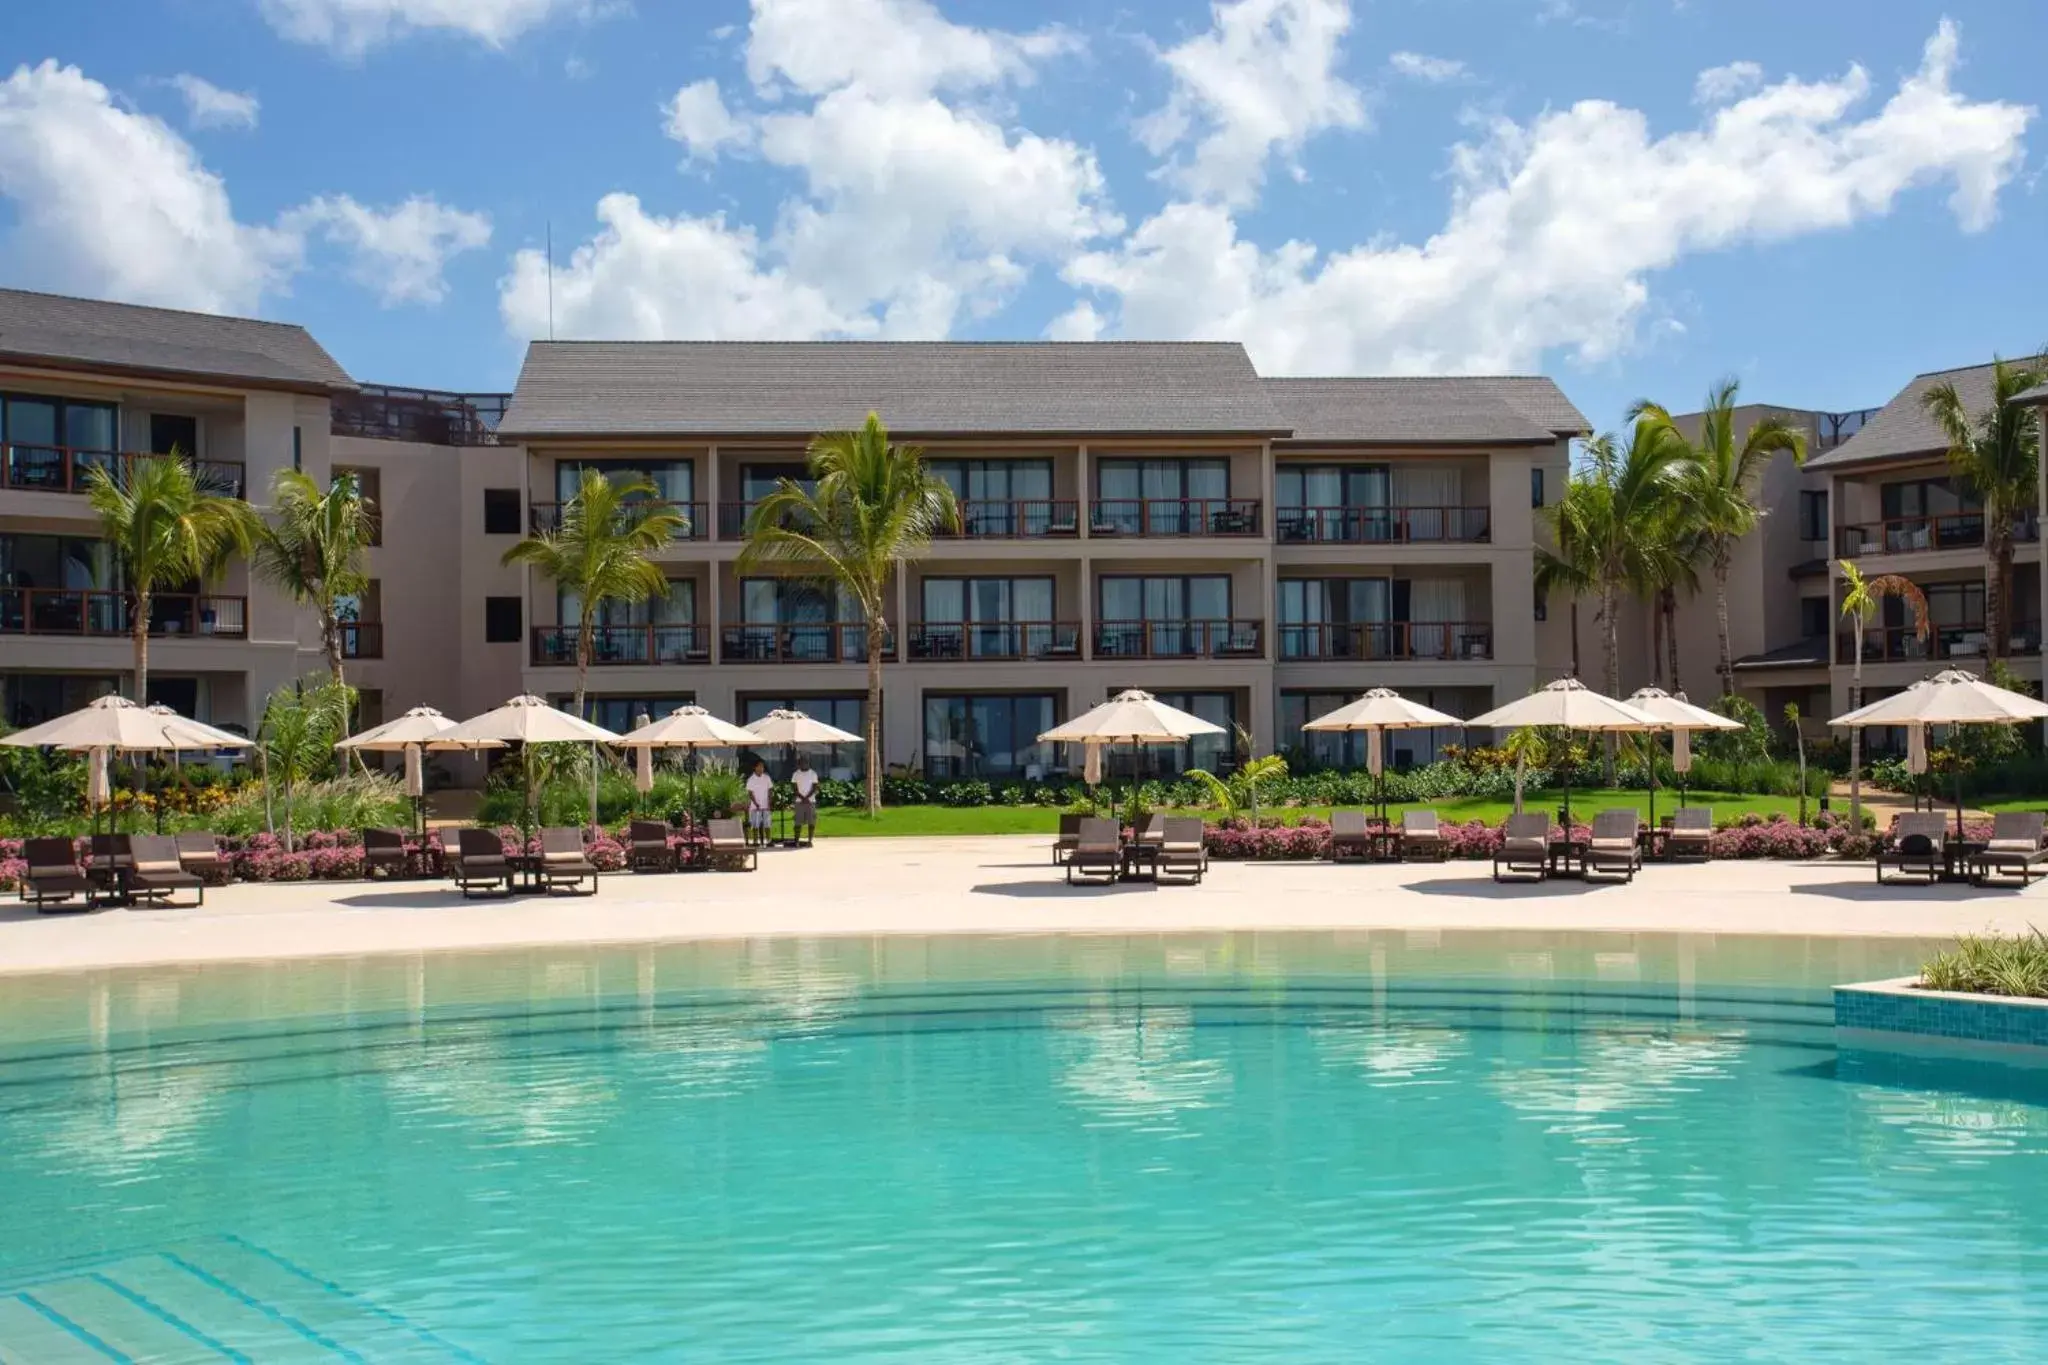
column 1637, row 197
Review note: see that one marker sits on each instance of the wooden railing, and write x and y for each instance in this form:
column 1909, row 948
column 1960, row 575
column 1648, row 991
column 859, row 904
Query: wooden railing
column 1919, row 535
column 1902, row 644
column 944, row 641
column 1382, row 525
column 547, row 516
column 361, row 639
column 1179, row 639
column 1019, row 518
column 804, row 642
column 64, row 469
column 621, row 646
column 1174, row 517
column 1387, row 640
column 90, row 611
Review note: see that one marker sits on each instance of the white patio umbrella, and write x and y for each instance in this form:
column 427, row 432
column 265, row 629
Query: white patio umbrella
column 643, row 759
column 1951, row 697
column 1130, row 717
column 113, row 724
column 1378, row 711
column 523, row 721
column 406, row 735
column 1570, row 705
column 794, row 727
column 1681, row 718
column 690, row 728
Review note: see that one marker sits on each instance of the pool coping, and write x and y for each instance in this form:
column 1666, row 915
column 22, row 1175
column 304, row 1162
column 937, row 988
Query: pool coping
column 1900, row 1015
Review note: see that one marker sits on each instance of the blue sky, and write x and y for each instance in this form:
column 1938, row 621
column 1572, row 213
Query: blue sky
column 1633, row 195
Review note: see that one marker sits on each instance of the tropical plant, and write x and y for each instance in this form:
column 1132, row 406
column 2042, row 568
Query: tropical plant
column 1667, row 559
column 1992, row 964
column 296, row 739
column 1720, row 476
column 1240, row 791
column 874, row 505
column 1799, row 741
column 1860, row 600
column 1995, row 457
column 312, row 548
column 167, row 527
column 1568, row 567
column 599, row 552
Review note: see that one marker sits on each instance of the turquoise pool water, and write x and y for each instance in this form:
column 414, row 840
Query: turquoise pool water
column 1383, row 1147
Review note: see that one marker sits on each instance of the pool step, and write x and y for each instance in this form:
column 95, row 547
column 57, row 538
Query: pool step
column 219, row 1299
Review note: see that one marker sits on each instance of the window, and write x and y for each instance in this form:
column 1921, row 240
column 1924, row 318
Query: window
column 501, row 621
column 673, row 480
column 999, row 497
column 1813, row 618
column 1133, row 495
column 1536, row 488
column 621, row 714
column 1813, row 514
column 1166, row 616
column 38, row 431
column 501, row 511
column 986, row 736
column 170, row 431
column 677, row 608
column 849, row 713
column 1215, row 753
column 984, row 617
column 1346, row 749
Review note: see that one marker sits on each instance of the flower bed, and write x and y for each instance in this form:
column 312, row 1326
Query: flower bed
column 1749, row 836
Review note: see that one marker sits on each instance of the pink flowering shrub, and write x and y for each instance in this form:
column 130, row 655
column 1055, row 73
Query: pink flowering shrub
column 12, row 870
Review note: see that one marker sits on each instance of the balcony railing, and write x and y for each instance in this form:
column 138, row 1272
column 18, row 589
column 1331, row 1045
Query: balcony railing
column 805, row 642
column 64, row 469
column 543, row 517
column 1019, row 518
column 621, row 646
column 385, row 412
column 89, row 611
column 1917, row 535
column 1179, row 639
column 1174, row 517
column 1901, row 644
column 1387, row 640
column 361, row 639
column 944, row 641
column 1382, row 525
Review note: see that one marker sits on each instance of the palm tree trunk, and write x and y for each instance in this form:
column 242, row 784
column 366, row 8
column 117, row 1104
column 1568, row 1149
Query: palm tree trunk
column 1657, row 643
column 139, row 630
column 1668, row 604
column 1721, row 568
column 1998, row 602
column 1612, row 638
column 1575, row 638
column 878, row 635
column 582, row 661
column 1856, row 734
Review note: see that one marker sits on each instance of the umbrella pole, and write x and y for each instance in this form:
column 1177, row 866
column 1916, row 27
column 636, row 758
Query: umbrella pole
column 1656, row 751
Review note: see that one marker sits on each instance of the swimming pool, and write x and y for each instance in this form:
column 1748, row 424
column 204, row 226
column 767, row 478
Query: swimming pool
column 1385, row 1146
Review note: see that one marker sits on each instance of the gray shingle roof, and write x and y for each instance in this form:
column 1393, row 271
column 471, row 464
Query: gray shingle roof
column 921, row 388
column 1902, row 429
column 1408, row 411
column 90, row 333
column 2038, row 395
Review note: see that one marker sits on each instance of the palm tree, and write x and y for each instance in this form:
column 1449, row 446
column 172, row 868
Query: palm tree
column 166, row 527
column 874, row 505
column 1721, row 479
column 301, row 724
column 599, row 551
column 1995, row 457
column 1566, row 567
column 1860, row 599
column 313, row 550
column 1669, row 549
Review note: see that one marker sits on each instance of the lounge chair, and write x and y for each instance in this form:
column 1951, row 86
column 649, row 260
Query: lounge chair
column 157, row 875
column 384, row 851
column 107, row 854
column 1422, row 836
column 1917, row 846
column 1348, row 835
column 1524, row 847
column 479, row 863
column 1691, row 835
column 2016, row 848
column 1069, row 835
column 729, row 847
column 1184, row 852
column 54, row 876
column 564, row 862
column 1098, row 851
column 647, row 847
column 199, row 854
column 1613, row 847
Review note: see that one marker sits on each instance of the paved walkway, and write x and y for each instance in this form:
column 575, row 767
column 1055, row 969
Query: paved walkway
column 996, row 885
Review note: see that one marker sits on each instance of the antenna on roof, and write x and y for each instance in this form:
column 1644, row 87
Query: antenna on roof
column 551, row 279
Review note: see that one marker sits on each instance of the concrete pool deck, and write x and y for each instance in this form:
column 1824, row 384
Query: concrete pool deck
column 996, row 885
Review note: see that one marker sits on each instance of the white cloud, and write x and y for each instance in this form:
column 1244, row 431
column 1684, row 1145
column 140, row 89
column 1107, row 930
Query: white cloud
column 1555, row 227
column 698, row 118
column 353, row 27
column 1431, row 70
column 1720, row 84
column 209, row 106
column 1261, row 81
column 401, row 252
column 897, row 46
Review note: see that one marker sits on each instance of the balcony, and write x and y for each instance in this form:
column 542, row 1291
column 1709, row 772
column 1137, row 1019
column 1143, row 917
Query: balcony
column 544, row 517
column 361, row 639
column 64, row 469
column 1011, row 641
column 1172, row 517
column 1918, row 535
column 801, row 642
column 1179, row 639
column 1020, row 519
column 1387, row 640
column 386, row 412
column 92, row 612
column 1383, row 525
column 621, row 646
column 1900, row 644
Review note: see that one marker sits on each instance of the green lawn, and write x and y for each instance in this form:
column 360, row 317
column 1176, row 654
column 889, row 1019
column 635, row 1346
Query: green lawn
column 924, row 820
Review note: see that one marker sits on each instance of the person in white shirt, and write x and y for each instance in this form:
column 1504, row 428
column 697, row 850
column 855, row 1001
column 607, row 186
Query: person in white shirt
column 805, row 815
column 760, row 801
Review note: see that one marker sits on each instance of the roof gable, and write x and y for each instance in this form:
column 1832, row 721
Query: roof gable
column 129, row 338
column 1902, row 429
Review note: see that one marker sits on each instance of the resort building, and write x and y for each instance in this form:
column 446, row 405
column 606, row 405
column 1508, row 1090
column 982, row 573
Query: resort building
column 1134, row 514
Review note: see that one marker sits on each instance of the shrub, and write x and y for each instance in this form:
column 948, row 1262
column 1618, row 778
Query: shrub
column 1992, row 964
